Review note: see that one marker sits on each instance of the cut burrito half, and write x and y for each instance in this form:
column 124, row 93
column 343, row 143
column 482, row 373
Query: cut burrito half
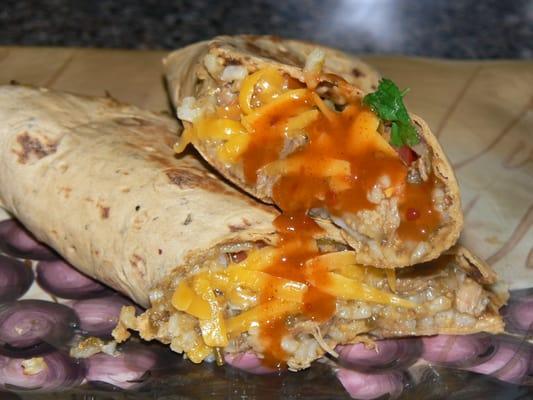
column 217, row 273
column 286, row 122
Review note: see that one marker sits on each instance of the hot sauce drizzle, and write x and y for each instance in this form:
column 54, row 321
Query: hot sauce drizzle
column 296, row 246
column 332, row 135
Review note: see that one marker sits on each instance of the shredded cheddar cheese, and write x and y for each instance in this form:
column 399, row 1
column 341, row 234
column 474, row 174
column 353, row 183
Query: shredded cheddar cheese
column 364, row 134
column 296, row 101
column 270, row 84
column 259, row 259
column 214, row 328
column 350, row 289
column 187, row 137
column 299, row 122
column 185, row 299
column 242, row 283
column 283, row 288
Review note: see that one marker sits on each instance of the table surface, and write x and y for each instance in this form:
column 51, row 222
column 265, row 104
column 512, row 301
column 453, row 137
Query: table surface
column 482, row 113
column 437, row 28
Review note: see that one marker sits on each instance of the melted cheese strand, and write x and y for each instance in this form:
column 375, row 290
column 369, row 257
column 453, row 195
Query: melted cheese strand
column 349, row 289
column 213, row 329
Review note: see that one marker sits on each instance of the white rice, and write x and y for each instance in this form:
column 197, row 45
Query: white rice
column 315, row 60
column 188, row 110
column 234, row 73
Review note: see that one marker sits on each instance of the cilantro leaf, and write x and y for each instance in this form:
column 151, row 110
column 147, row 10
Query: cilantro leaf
column 387, row 103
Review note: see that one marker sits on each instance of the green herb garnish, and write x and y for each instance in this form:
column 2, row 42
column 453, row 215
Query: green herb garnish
column 387, row 103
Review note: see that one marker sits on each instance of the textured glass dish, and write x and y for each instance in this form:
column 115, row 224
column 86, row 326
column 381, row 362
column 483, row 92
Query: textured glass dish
column 45, row 305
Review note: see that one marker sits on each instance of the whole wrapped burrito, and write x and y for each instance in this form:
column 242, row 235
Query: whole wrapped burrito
column 99, row 182
column 310, row 129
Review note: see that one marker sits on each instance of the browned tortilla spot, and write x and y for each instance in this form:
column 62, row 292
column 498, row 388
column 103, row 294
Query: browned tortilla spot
column 193, row 178
column 162, row 161
column 236, row 228
column 357, row 72
column 65, row 191
column 131, row 121
column 138, row 262
column 104, row 212
column 183, row 178
column 111, row 101
column 188, row 220
column 232, row 61
column 32, row 148
column 278, row 55
column 240, row 227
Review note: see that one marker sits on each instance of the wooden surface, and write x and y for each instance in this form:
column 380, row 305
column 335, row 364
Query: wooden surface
column 482, row 113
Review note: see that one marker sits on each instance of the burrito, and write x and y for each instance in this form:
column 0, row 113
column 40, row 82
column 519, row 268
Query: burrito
column 314, row 131
column 217, row 273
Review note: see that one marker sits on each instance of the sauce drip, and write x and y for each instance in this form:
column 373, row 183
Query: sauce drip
column 296, row 246
column 268, row 138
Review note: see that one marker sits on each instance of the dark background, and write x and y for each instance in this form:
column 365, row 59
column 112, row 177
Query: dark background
column 434, row 28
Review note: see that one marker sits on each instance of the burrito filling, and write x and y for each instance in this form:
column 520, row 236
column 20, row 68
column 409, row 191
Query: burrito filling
column 295, row 301
column 323, row 149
